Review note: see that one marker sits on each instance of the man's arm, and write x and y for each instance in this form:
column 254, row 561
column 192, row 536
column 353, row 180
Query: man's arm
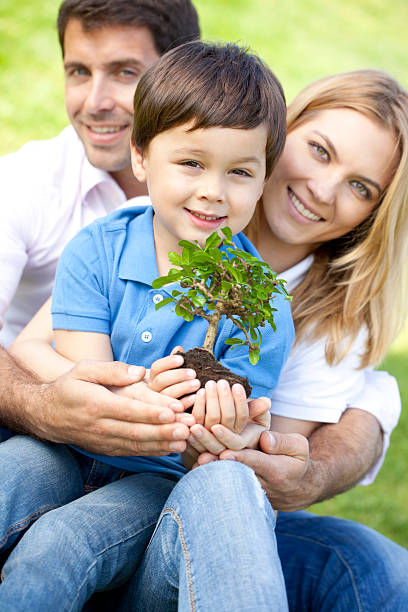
column 78, row 409
column 296, row 474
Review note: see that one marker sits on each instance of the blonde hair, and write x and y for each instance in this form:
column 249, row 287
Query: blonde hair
column 359, row 278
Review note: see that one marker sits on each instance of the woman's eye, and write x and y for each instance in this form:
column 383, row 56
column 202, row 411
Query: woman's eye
column 320, row 151
column 127, row 72
column 361, row 189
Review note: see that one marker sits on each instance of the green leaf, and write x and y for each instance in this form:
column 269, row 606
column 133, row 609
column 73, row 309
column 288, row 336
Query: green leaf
column 164, row 302
column 212, row 241
column 254, row 356
column 227, row 232
column 159, row 282
column 236, row 341
column 199, row 301
column 188, row 245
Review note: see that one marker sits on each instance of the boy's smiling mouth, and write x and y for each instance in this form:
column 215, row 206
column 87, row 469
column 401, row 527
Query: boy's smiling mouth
column 202, row 219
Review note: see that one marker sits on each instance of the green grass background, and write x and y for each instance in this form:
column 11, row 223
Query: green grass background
column 301, row 40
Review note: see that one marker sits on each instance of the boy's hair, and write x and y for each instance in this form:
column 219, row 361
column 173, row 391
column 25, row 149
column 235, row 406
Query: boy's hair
column 171, row 22
column 211, row 85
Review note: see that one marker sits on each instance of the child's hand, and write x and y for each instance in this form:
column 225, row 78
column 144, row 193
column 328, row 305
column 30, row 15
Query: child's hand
column 220, row 403
column 168, row 378
column 211, row 443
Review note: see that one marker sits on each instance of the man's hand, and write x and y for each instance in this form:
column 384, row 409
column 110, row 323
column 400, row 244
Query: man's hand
column 79, row 409
column 281, row 465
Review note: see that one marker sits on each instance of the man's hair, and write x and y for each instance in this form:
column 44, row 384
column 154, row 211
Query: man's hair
column 210, row 85
column 171, row 22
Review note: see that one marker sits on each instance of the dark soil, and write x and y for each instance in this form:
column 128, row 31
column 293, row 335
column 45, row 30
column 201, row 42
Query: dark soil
column 208, row 368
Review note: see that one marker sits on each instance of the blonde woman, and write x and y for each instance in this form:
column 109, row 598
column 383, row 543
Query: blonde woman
column 333, row 219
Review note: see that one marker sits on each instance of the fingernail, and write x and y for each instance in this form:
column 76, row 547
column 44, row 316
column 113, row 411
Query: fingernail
column 135, row 371
column 190, row 373
column 218, row 431
column 179, row 433
column 177, row 446
column 223, row 385
column 178, row 359
column 239, row 389
column 187, row 420
column 229, row 456
column 197, row 433
column 210, row 385
column 272, row 440
column 177, row 406
column 166, row 416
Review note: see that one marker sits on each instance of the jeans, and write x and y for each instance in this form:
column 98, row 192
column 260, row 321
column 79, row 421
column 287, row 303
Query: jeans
column 214, row 549
column 67, row 544
column 335, row 565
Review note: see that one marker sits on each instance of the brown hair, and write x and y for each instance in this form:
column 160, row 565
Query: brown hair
column 171, row 22
column 360, row 278
column 213, row 85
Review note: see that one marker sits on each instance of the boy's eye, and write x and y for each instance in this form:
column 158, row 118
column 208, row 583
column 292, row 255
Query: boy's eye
column 361, row 189
column 240, row 172
column 190, row 163
column 320, row 151
column 78, row 72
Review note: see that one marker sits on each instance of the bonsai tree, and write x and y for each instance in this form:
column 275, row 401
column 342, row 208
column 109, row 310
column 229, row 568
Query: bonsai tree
column 228, row 282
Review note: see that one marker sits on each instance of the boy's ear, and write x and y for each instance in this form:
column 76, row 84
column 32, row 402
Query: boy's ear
column 138, row 164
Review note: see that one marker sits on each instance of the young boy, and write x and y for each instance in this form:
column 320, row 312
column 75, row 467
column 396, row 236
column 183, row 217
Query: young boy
column 209, row 124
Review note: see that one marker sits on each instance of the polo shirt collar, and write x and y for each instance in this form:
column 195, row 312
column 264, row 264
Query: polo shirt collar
column 138, row 258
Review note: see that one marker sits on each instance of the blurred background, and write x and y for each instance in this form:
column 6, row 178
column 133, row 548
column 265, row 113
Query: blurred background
column 301, row 40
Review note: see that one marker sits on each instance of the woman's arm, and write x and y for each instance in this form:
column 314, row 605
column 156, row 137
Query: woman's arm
column 32, row 347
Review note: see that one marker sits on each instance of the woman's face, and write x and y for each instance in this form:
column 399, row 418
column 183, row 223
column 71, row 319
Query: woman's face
column 332, row 172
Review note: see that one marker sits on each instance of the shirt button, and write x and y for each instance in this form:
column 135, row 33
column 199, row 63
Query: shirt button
column 157, row 298
column 146, row 336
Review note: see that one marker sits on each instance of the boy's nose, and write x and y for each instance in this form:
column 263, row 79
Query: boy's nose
column 212, row 190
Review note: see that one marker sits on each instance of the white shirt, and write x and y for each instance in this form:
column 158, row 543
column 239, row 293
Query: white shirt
column 310, row 389
column 49, row 191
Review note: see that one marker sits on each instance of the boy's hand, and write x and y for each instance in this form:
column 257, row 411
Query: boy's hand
column 218, row 403
column 221, row 438
column 168, row 378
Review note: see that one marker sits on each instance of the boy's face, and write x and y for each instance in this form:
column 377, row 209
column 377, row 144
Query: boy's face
column 202, row 180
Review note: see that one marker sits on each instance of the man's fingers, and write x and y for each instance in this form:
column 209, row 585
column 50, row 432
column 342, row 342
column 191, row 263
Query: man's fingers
column 292, row 444
column 109, row 373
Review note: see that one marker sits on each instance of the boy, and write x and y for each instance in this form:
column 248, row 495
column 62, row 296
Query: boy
column 209, row 124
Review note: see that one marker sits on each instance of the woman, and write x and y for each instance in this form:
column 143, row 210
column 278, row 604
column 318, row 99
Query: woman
column 346, row 297
column 334, row 216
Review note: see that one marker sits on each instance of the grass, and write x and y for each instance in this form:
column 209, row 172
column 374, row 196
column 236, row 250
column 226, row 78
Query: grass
column 301, row 40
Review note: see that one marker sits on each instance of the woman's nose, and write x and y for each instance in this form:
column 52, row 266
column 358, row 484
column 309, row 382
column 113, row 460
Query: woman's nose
column 323, row 189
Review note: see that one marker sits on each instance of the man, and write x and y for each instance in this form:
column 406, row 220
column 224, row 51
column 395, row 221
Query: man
column 73, row 179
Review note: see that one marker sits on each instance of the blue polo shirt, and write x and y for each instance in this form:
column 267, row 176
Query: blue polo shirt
column 104, row 284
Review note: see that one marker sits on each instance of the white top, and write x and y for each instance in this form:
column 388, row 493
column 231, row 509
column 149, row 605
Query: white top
column 312, row 390
column 49, row 191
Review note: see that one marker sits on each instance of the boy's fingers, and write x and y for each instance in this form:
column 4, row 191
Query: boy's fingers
column 212, row 410
column 165, row 363
column 241, row 407
column 182, row 388
column 199, row 406
column 258, row 406
column 226, row 404
column 207, row 439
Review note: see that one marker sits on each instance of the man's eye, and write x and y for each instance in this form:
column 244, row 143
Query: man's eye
column 320, row 151
column 128, row 72
column 79, row 72
column 361, row 189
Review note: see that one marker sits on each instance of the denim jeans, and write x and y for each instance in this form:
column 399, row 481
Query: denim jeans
column 214, row 549
column 67, row 544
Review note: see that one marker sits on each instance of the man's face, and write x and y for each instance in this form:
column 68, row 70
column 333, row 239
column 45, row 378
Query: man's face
column 102, row 68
